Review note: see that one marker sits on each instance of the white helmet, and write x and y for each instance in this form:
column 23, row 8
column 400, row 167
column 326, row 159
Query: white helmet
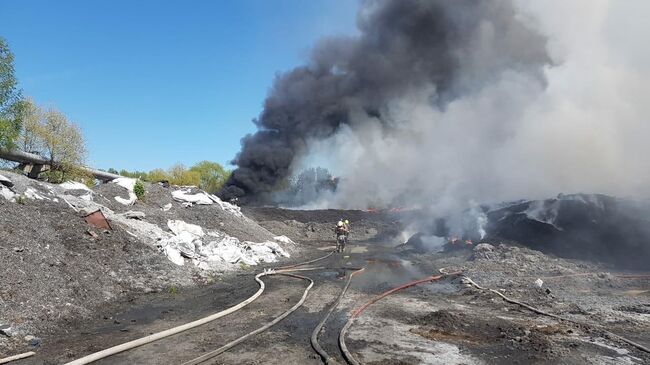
column 339, row 224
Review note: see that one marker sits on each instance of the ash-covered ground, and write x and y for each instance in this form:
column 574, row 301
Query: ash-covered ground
column 67, row 293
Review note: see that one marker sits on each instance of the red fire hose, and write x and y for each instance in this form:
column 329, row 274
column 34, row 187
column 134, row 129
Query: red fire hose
column 357, row 312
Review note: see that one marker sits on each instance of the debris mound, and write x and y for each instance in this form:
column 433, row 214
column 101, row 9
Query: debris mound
column 591, row 227
column 69, row 249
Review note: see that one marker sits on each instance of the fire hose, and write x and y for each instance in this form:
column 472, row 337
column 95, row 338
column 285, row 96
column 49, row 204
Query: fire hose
column 618, row 276
column 16, row 357
column 234, row 343
column 560, row 318
column 357, row 312
column 175, row 330
column 282, row 271
column 306, row 262
column 327, row 359
column 172, row 331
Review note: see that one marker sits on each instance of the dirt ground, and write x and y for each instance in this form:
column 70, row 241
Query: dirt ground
column 444, row 322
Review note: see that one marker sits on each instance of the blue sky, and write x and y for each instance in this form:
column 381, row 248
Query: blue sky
column 153, row 83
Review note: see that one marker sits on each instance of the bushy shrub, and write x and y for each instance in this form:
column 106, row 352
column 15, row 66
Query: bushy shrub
column 138, row 190
column 157, row 175
column 63, row 173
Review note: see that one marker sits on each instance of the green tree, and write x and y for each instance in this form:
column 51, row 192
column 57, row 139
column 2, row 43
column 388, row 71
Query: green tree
column 212, row 176
column 10, row 98
column 134, row 174
column 179, row 175
column 209, row 176
column 63, row 145
column 31, row 117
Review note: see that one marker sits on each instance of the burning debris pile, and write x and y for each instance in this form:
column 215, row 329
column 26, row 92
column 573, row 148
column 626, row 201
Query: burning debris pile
column 596, row 227
column 584, row 226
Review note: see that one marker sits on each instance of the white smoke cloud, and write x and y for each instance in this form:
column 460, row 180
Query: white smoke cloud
column 584, row 130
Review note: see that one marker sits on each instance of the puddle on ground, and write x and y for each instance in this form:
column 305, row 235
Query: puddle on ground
column 335, row 275
column 385, row 273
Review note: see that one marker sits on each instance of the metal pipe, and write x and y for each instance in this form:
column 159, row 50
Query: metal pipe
column 23, row 157
column 30, row 158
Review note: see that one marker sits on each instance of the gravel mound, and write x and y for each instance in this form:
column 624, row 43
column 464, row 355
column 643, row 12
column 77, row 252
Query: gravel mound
column 157, row 197
column 58, row 268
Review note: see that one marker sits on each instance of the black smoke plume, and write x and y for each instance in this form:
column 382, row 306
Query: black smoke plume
column 452, row 47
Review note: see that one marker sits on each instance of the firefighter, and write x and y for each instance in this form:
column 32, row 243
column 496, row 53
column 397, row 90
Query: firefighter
column 340, row 228
column 341, row 232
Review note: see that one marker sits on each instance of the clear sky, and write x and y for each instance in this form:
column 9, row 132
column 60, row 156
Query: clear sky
column 153, row 83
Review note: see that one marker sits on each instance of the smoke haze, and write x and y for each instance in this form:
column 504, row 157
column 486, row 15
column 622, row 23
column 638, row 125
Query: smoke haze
column 446, row 104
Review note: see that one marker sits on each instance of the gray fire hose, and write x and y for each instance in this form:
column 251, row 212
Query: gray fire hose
column 16, row 357
column 172, row 331
column 328, row 359
column 243, row 338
